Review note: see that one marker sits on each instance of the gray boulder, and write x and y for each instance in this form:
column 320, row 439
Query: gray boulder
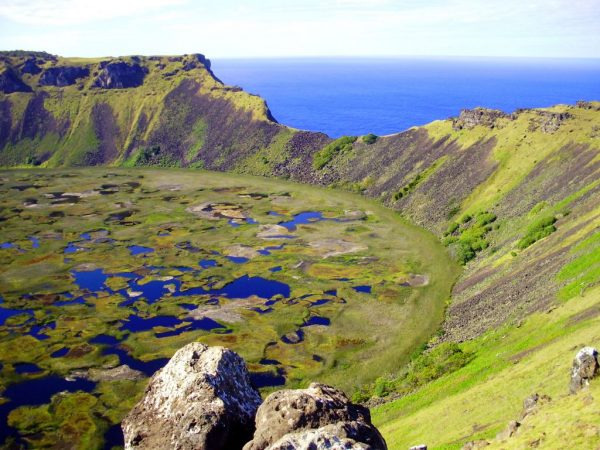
column 202, row 399
column 585, row 367
column 317, row 417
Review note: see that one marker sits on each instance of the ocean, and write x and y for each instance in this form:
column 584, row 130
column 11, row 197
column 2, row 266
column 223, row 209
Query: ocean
column 355, row 96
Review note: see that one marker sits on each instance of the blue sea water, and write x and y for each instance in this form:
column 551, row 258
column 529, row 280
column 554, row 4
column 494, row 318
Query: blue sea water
column 355, row 96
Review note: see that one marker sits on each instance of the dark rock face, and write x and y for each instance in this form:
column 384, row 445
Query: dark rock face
column 470, row 118
column 317, row 417
column 585, row 367
column 120, row 75
column 10, row 82
column 63, row 76
column 30, row 66
column 202, row 399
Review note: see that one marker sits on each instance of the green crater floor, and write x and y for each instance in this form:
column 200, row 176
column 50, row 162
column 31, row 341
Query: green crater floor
column 105, row 267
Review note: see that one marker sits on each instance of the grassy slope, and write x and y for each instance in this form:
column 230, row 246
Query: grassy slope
column 511, row 363
column 66, row 130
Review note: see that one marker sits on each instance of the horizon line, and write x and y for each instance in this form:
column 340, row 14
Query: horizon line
column 333, row 56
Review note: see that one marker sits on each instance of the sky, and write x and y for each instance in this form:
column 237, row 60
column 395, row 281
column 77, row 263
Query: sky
column 289, row 28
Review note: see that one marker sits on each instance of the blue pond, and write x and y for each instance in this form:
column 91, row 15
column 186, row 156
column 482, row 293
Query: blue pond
column 153, row 290
column 205, row 324
column 316, row 320
column 104, row 339
column 266, row 379
column 302, row 218
column 6, row 313
column 74, row 248
column 136, row 324
column 207, row 263
column 244, row 287
column 25, row 368
column 146, row 367
column 34, row 392
column 365, row 289
column 238, row 259
column 248, row 220
column 139, row 250
column 37, row 331
column 60, row 352
column 92, row 280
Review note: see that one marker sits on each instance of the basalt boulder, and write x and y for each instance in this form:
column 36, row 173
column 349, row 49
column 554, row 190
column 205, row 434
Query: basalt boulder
column 585, row 367
column 202, row 399
column 470, row 118
column 120, row 75
column 318, row 417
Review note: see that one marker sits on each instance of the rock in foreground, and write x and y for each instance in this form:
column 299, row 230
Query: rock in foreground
column 585, row 367
column 317, row 417
column 202, row 399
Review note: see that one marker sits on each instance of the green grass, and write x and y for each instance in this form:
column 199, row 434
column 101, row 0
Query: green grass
column 509, row 364
column 540, row 229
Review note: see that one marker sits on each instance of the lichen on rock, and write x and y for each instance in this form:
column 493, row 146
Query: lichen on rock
column 585, row 367
column 307, row 418
column 202, row 399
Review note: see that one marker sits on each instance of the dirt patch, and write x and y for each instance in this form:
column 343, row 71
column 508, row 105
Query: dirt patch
column 215, row 211
column 415, row 280
column 228, row 312
column 335, row 247
column 241, row 251
column 272, row 232
column 586, row 314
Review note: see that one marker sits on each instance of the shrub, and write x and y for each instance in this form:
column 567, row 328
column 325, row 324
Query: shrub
column 469, row 236
column 539, row 230
column 466, row 219
column 327, row 153
column 370, row 138
column 452, row 228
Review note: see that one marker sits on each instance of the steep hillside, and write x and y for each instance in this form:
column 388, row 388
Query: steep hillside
column 158, row 110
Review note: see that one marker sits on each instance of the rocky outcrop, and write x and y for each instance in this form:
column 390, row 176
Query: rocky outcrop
column 63, row 76
column 313, row 418
column 550, row 122
column 120, row 75
column 585, row 367
column 30, row 66
column 202, row 399
column 10, row 82
column 532, row 403
column 470, row 118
